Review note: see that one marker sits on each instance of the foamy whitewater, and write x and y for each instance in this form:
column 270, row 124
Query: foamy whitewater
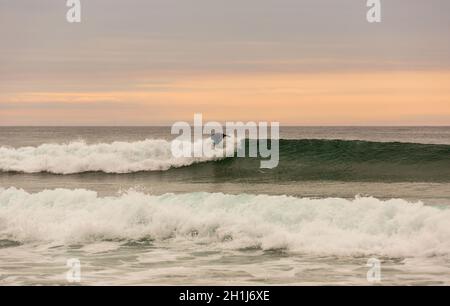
column 79, row 157
column 362, row 226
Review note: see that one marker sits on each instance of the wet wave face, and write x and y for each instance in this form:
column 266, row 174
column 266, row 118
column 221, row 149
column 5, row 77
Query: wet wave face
column 300, row 160
column 362, row 226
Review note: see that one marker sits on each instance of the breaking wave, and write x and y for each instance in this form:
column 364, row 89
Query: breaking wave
column 319, row 226
column 299, row 160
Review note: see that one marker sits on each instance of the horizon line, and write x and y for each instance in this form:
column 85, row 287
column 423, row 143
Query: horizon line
column 286, row 126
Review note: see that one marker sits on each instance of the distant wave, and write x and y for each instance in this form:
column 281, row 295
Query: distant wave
column 79, row 157
column 300, row 160
column 322, row 226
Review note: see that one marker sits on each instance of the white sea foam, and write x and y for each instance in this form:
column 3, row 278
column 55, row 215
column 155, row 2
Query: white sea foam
column 319, row 226
column 79, row 157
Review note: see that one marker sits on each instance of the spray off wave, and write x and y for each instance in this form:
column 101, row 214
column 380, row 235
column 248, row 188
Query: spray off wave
column 79, row 157
column 318, row 226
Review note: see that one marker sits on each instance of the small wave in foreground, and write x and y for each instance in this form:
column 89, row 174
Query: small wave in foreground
column 318, row 226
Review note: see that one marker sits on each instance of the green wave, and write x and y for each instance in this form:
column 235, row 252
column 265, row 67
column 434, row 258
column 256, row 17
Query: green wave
column 306, row 160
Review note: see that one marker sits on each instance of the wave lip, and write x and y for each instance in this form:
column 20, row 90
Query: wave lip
column 363, row 226
column 79, row 157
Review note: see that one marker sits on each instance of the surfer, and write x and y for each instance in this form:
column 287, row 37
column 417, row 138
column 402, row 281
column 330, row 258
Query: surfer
column 217, row 137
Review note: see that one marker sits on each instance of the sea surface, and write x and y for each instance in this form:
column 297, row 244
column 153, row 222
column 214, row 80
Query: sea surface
column 116, row 200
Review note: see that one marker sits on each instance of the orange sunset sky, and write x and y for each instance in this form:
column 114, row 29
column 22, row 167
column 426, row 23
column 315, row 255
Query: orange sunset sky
column 311, row 62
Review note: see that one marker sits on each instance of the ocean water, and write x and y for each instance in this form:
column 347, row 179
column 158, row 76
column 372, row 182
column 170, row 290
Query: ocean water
column 118, row 201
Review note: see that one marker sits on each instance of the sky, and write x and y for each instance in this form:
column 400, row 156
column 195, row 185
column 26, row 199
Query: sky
column 155, row 62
